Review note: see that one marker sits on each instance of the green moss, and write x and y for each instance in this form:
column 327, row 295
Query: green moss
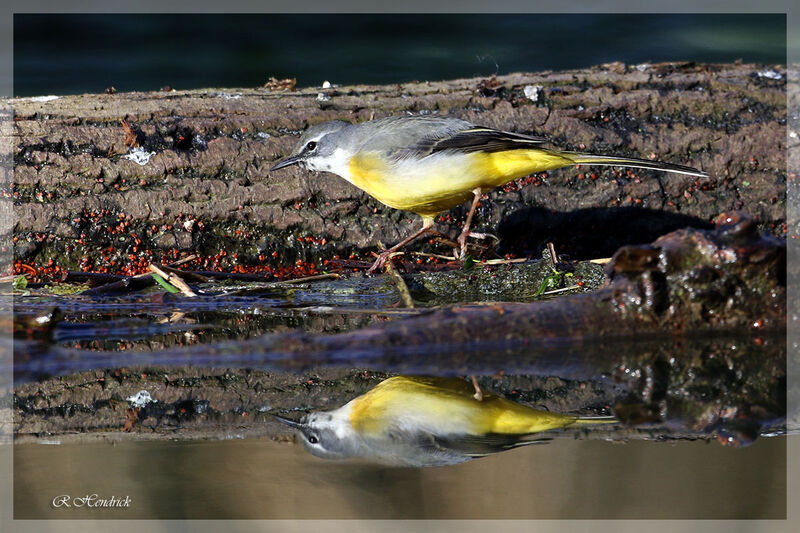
column 64, row 289
column 518, row 282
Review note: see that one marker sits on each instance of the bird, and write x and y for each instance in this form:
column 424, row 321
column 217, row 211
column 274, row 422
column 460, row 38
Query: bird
column 418, row 421
column 428, row 164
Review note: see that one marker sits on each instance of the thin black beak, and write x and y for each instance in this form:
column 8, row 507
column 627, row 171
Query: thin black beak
column 286, row 162
column 289, row 422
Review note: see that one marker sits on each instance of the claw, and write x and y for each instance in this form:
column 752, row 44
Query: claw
column 379, row 262
column 386, row 254
column 462, row 238
column 461, row 253
column 478, row 392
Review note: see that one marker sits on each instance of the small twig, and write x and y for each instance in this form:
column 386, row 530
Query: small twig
column 131, row 283
column 175, row 280
column 179, row 262
column 402, row 288
column 318, row 277
column 171, row 265
column 554, row 291
column 184, row 260
column 602, row 261
column 503, row 261
column 186, row 274
column 484, row 262
column 325, row 309
column 444, row 239
column 437, row 256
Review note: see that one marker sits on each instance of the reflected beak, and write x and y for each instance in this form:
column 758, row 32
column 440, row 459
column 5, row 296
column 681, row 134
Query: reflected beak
column 289, row 422
column 286, row 162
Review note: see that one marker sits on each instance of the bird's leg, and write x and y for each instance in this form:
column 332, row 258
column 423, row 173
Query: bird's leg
column 462, row 239
column 478, row 392
column 386, row 254
column 476, row 235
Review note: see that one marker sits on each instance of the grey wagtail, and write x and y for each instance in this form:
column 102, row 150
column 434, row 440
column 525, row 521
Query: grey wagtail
column 426, row 421
column 427, row 165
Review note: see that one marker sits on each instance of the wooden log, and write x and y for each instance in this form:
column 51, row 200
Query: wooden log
column 695, row 319
column 205, row 187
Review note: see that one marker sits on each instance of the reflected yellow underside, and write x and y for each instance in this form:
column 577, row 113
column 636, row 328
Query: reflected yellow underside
column 445, row 405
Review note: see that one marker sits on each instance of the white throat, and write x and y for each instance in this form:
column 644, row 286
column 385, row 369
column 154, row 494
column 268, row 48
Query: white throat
column 337, row 421
column 337, row 163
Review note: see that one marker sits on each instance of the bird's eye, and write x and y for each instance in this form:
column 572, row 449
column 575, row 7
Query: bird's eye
column 312, row 439
column 311, row 146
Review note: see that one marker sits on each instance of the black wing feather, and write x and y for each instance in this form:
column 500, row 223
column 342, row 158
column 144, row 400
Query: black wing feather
column 479, row 446
column 480, row 140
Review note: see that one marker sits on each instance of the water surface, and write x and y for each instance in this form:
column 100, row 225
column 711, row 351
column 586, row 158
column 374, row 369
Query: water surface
column 261, row 478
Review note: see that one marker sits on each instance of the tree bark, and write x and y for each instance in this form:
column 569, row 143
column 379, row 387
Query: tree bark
column 206, row 188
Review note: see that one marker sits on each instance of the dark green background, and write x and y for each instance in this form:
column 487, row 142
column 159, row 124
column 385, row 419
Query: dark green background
column 66, row 54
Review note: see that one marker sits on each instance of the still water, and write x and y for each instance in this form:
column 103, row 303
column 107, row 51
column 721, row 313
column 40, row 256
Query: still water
column 261, row 478
column 727, row 388
column 69, row 54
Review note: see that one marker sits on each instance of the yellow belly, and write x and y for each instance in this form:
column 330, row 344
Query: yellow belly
column 445, row 406
column 440, row 182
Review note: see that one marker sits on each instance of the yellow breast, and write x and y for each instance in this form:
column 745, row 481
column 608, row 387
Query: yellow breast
column 441, row 181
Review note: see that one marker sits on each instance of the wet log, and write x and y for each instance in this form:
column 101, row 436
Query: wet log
column 732, row 390
column 201, row 185
column 689, row 282
column 691, row 331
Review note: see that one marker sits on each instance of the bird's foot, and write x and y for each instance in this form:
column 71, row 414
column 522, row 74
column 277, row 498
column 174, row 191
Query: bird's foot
column 475, row 235
column 380, row 261
column 478, row 392
column 461, row 251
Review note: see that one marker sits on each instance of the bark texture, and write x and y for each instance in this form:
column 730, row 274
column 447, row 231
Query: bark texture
column 80, row 201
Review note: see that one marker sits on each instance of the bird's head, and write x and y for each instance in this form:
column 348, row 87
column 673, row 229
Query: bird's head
column 324, row 434
column 317, row 147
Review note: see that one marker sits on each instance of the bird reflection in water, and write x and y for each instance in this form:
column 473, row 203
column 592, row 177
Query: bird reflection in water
column 426, row 421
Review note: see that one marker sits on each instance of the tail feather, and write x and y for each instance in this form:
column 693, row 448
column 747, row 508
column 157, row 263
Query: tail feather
column 632, row 162
column 586, row 420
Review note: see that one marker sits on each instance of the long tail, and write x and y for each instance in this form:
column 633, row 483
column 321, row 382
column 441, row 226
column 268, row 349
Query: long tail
column 526, row 440
column 589, row 159
column 586, row 420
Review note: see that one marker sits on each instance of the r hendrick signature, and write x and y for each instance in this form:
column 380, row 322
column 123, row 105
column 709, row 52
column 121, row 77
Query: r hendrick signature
column 91, row 500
